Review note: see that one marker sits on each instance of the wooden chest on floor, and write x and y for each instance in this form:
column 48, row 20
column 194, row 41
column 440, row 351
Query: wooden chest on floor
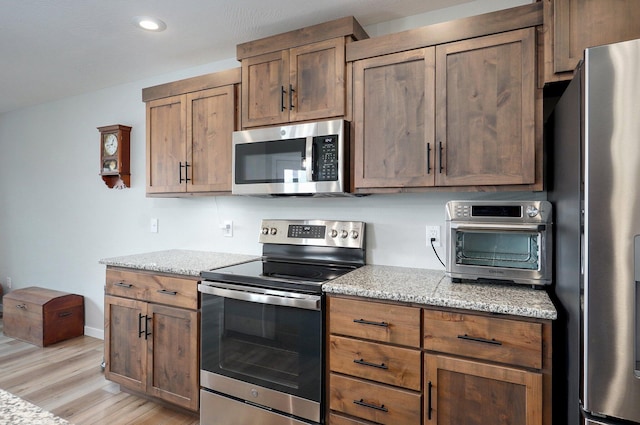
column 43, row 316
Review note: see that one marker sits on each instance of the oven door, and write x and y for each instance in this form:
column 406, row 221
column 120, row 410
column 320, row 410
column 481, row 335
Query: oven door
column 263, row 346
column 514, row 252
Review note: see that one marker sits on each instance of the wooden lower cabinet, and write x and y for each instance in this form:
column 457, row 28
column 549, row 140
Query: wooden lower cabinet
column 467, row 392
column 152, row 348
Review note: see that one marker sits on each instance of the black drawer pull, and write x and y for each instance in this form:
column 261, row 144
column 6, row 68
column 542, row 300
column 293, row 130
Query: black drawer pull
column 367, row 322
column 362, row 403
column 123, row 285
column 167, row 292
column 140, row 330
column 65, row 314
column 429, row 407
column 21, row 306
column 364, row 363
column 483, row 340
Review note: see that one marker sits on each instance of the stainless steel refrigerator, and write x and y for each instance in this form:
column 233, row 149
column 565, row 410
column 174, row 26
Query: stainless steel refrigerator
column 595, row 187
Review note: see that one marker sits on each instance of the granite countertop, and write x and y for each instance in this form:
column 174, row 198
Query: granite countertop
column 178, row 261
column 433, row 288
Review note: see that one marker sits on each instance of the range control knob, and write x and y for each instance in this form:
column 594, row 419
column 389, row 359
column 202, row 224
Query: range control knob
column 273, row 230
column 354, row 234
column 265, row 230
column 532, row 211
column 333, row 233
column 344, row 234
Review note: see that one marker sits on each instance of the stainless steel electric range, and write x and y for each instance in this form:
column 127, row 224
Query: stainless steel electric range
column 263, row 324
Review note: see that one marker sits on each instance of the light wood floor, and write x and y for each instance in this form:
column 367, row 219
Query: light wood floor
column 66, row 379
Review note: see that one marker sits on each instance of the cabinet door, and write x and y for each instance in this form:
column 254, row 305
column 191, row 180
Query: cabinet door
column 574, row 25
column 125, row 344
column 317, row 80
column 166, row 144
column 463, row 392
column 265, row 85
column 394, row 120
column 173, row 355
column 211, row 121
column 486, row 110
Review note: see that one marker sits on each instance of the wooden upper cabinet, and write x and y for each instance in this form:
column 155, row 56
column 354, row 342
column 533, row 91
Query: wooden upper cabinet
column 297, row 76
column 486, row 111
column 393, row 113
column 189, row 135
column 573, row 25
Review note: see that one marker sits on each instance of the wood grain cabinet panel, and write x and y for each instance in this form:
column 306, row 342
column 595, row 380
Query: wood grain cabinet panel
column 153, row 348
column 374, row 402
column 487, row 338
column 189, row 140
column 573, row 25
column 375, row 321
column 486, row 110
column 463, row 392
column 394, row 120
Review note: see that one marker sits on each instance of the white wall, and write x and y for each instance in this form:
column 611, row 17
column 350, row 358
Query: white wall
column 57, row 217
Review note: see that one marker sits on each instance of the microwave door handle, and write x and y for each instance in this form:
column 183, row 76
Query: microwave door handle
column 247, row 293
column 504, row 227
column 311, row 153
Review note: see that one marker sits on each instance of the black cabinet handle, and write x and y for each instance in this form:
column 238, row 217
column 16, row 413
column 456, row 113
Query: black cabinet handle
column 440, row 157
column 180, row 173
column 65, row 314
column 167, row 292
column 21, row 306
column 429, row 407
column 362, row 403
column 428, row 158
column 146, row 327
column 476, row 339
column 367, row 322
column 291, row 90
column 186, row 172
column 376, row 365
column 282, row 93
column 123, row 285
column 140, row 331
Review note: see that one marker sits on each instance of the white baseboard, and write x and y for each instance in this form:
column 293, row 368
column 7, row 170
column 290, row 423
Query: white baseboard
column 94, row 332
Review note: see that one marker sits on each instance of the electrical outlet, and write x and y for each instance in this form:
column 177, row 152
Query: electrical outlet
column 153, row 225
column 433, row 232
column 227, row 228
column 9, row 283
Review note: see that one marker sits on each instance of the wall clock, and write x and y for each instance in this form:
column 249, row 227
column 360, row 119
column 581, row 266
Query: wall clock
column 114, row 155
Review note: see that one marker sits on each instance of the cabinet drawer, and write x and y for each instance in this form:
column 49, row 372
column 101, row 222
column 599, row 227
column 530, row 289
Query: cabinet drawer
column 383, row 363
column 343, row 420
column 374, row 402
column 174, row 291
column 377, row 321
column 501, row 340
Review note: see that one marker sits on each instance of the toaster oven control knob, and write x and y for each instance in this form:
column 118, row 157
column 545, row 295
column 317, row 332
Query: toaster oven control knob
column 334, row 233
column 265, row 230
column 344, row 234
column 273, row 231
column 532, row 211
column 354, row 234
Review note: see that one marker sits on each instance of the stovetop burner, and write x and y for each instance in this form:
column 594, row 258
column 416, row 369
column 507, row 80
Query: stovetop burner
column 299, row 255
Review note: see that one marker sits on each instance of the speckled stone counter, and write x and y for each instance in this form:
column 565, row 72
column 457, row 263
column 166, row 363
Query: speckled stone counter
column 177, row 261
column 433, row 288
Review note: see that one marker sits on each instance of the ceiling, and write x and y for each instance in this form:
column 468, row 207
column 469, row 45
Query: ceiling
column 55, row 49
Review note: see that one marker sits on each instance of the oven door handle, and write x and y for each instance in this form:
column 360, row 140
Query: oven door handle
column 262, row 296
column 505, row 227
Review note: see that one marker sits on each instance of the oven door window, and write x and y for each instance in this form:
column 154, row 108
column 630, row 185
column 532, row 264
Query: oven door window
column 272, row 346
column 516, row 250
column 281, row 161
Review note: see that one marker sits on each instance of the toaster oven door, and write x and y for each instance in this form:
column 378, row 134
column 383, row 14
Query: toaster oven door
column 518, row 253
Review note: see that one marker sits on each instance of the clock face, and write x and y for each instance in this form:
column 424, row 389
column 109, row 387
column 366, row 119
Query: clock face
column 110, row 144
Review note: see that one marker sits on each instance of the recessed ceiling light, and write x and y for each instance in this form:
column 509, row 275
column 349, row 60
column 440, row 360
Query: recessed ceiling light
column 150, row 24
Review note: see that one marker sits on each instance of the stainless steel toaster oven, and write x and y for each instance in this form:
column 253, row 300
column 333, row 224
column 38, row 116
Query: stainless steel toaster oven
column 499, row 241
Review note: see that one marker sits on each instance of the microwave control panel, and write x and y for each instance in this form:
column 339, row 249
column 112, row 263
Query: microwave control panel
column 325, row 158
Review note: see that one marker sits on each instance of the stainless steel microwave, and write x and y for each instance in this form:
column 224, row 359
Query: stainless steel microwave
column 499, row 241
column 298, row 159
